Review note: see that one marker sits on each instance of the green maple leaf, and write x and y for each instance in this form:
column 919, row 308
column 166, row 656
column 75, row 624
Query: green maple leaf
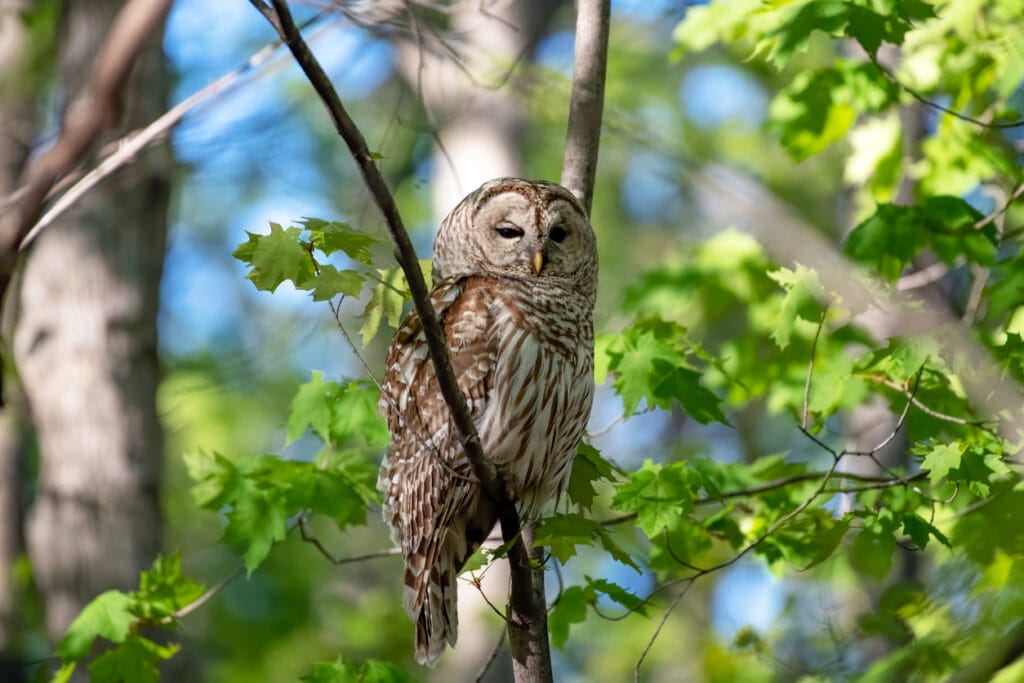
column 587, row 467
column 108, row 616
column 256, row 522
column 683, row 384
column 313, row 406
column 571, row 608
column 562, row 533
column 163, row 590
column 330, row 282
column 215, row 478
column 332, row 236
column 386, row 301
column 132, row 662
column 619, row 594
column 275, row 257
column 660, row 495
column 941, row 459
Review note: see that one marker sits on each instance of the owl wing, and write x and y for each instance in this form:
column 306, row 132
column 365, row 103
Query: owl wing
column 431, row 499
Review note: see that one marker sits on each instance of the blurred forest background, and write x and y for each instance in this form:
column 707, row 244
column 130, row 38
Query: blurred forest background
column 133, row 344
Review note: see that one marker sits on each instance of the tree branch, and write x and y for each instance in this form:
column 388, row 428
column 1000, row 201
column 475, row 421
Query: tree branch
column 586, row 104
column 96, row 108
column 524, row 613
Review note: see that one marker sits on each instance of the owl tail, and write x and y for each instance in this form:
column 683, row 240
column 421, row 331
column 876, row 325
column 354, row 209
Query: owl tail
column 430, row 599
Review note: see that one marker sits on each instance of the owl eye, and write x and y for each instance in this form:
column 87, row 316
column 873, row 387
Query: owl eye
column 509, row 232
column 558, row 234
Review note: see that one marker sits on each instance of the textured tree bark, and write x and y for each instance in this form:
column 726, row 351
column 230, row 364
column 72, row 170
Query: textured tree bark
column 86, row 349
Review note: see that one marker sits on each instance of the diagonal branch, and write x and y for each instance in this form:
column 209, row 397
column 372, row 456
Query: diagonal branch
column 96, row 108
column 526, row 614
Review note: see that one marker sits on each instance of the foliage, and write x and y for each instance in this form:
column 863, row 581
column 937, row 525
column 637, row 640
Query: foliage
column 719, row 334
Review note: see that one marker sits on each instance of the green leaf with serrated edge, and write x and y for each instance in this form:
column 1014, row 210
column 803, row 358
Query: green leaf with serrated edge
column 331, row 672
column 619, row 594
column 377, row 671
column 613, row 548
column 134, row 661
column 312, row 406
column 941, row 459
column 872, row 553
column 330, row 282
column 633, row 364
column 659, row 494
column 163, row 590
column 256, row 522
column 571, row 608
column 386, row 301
column 332, row 236
column 919, row 530
column 214, row 475
column 829, row 541
column 683, row 385
column 108, row 616
column 563, row 532
column 479, row 558
column 333, row 494
column 275, row 257
column 802, row 287
column 587, row 467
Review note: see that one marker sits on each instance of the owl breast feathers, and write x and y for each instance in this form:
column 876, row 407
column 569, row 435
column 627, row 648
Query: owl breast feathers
column 515, row 272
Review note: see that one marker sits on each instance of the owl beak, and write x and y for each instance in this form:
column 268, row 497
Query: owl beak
column 538, row 261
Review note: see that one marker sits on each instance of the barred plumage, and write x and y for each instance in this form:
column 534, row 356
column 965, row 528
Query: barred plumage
column 515, row 272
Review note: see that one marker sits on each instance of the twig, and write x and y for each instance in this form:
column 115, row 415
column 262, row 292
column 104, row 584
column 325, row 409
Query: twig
column 96, row 108
column 810, row 370
column 661, row 625
column 125, row 149
column 205, row 597
column 1006, row 206
column 891, row 77
column 315, row 542
column 880, row 379
column 899, row 423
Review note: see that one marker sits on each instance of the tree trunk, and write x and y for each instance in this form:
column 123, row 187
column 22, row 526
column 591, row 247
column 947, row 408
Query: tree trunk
column 86, row 350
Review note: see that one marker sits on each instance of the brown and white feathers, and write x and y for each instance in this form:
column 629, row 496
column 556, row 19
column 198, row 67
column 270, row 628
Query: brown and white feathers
column 515, row 273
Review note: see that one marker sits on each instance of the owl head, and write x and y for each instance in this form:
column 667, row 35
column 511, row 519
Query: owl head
column 522, row 229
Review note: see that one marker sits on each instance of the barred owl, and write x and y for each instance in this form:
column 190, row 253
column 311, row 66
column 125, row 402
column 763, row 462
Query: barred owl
column 515, row 273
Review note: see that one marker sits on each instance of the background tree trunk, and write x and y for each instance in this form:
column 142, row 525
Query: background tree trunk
column 86, row 350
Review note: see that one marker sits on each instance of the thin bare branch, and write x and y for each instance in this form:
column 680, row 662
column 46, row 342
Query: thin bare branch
column 129, row 146
column 95, row 109
column 206, row 596
column 899, row 423
column 891, row 77
column 661, row 624
column 810, row 370
column 315, row 542
column 880, row 379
